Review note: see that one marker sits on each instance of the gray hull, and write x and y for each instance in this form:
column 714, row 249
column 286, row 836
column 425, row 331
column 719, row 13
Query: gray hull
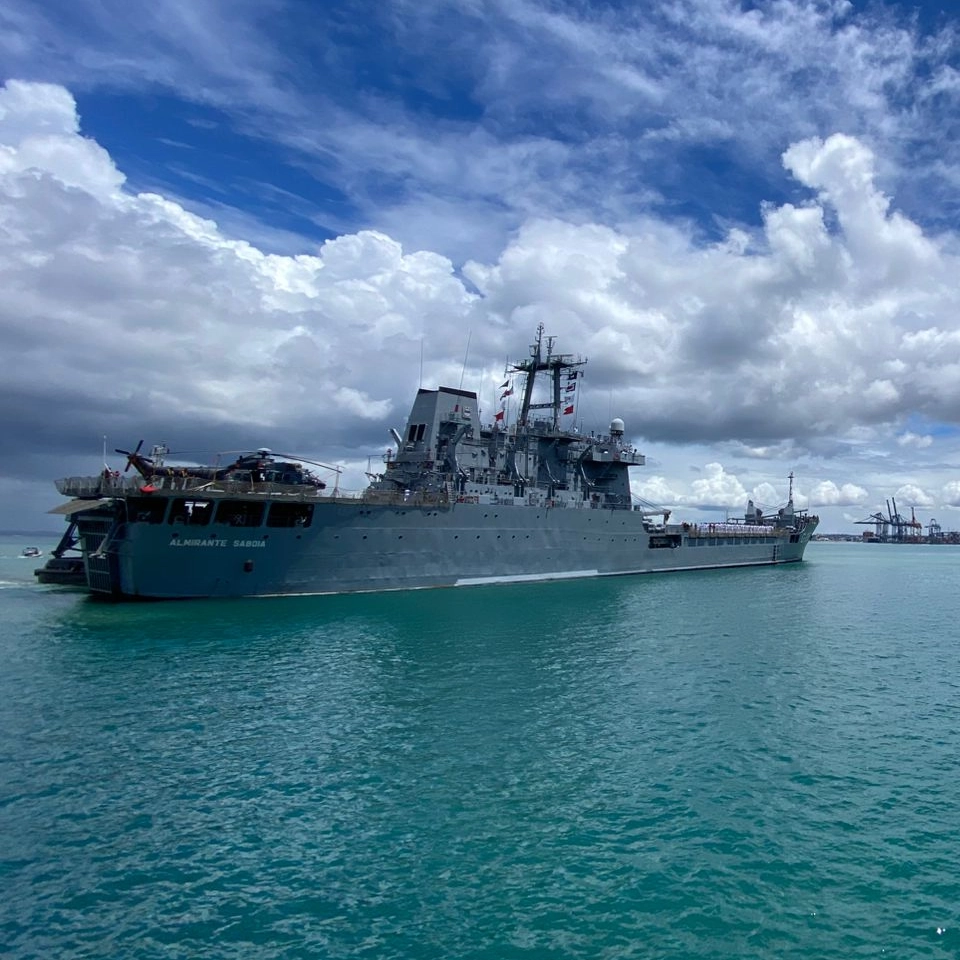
column 355, row 546
column 456, row 504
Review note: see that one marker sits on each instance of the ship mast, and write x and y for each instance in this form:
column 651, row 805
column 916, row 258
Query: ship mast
column 530, row 367
column 555, row 365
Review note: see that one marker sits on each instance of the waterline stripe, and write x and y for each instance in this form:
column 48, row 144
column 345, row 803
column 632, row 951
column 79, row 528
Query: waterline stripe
column 526, row 577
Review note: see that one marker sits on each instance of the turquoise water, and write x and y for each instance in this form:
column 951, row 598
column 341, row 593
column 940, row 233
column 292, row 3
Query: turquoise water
column 756, row 763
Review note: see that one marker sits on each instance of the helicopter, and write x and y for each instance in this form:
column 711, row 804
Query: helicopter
column 258, row 467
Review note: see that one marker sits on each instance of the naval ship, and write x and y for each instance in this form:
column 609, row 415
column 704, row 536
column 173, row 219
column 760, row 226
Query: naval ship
column 524, row 497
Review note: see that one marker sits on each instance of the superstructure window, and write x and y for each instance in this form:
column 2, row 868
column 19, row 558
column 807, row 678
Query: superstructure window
column 290, row 515
column 196, row 513
column 667, row 540
column 146, row 509
column 240, row 513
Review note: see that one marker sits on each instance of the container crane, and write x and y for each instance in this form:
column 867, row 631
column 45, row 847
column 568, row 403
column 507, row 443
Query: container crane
column 881, row 526
column 915, row 527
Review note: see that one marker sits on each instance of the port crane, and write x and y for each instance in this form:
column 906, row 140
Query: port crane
column 893, row 527
column 881, row 527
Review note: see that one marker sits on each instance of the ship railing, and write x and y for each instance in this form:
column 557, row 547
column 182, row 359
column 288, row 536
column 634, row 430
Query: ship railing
column 610, row 453
column 578, row 503
column 734, row 530
column 98, row 486
column 120, row 486
column 413, row 498
column 540, row 500
column 242, row 488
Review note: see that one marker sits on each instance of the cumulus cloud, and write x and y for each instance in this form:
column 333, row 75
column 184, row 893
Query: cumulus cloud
column 39, row 135
column 156, row 316
column 716, row 490
column 125, row 313
column 587, row 111
column 950, row 493
column 910, row 495
column 827, row 493
column 821, row 331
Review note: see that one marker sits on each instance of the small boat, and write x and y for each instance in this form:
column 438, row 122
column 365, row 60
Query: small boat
column 31, row 553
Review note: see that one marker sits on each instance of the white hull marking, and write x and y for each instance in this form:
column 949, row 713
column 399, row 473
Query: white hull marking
column 526, row 578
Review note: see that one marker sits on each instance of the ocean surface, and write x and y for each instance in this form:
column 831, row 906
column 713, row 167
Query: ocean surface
column 733, row 764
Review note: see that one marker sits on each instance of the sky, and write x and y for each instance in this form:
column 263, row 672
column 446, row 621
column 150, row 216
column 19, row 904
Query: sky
column 228, row 225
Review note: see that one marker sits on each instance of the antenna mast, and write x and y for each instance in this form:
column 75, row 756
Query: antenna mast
column 465, row 355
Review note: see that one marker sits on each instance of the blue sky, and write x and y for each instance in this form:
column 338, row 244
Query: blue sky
column 320, row 119
column 234, row 224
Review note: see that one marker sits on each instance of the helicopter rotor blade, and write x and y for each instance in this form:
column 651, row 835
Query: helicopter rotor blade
column 133, row 456
column 315, row 463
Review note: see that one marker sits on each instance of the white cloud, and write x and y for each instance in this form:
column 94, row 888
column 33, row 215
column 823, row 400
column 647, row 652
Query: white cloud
column 886, row 247
column 827, row 493
column 766, row 495
column 718, row 488
column 658, row 490
column 30, row 110
column 919, row 441
column 950, row 493
column 910, row 495
column 134, row 313
column 130, row 299
column 787, row 341
column 39, row 135
column 575, row 102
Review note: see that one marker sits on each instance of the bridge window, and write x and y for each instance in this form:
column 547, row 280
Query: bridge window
column 416, row 432
column 146, row 509
column 290, row 515
column 240, row 513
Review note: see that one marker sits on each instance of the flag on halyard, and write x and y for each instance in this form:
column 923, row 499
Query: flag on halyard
column 568, row 410
column 499, row 415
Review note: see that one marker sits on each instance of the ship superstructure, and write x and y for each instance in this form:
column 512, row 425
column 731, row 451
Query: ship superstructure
column 445, row 450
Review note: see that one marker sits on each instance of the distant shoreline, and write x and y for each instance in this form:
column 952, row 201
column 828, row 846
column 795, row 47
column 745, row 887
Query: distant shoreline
column 37, row 534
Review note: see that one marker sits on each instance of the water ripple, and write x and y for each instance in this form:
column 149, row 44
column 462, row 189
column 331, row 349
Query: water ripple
column 747, row 763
